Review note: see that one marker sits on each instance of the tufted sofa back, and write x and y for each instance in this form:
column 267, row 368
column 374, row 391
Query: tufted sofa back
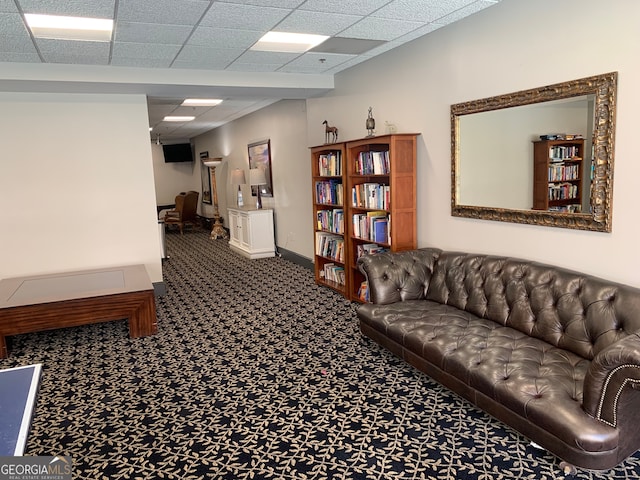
column 573, row 311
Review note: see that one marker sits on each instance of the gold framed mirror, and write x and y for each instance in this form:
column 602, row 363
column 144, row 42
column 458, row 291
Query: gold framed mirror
column 492, row 152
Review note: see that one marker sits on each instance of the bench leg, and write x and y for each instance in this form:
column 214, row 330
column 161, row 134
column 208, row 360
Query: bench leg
column 142, row 321
column 4, row 351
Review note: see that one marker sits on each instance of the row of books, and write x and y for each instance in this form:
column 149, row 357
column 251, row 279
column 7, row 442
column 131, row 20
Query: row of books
column 331, row 220
column 330, row 192
column 372, row 163
column 372, row 226
column 558, row 173
column 330, row 246
column 371, row 195
column 330, row 164
column 558, row 153
column 368, row 249
column 566, row 209
column 333, row 273
column 563, row 191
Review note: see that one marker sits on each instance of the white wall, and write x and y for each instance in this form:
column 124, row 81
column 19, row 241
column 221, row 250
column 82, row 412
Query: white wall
column 76, row 184
column 506, row 48
column 284, row 123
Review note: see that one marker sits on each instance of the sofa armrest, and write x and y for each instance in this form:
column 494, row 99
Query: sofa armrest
column 613, row 370
column 397, row 276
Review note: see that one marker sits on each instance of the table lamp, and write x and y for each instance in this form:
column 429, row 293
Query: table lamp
column 237, row 178
column 257, row 178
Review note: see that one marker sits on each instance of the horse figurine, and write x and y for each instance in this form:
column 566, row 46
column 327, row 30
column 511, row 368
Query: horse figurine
column 330, row 133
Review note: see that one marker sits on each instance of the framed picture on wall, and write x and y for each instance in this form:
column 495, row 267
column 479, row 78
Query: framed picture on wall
column 205, row 176
column 260, row 157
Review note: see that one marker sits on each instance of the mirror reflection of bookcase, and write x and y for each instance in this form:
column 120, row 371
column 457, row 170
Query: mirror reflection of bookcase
column 558, row 175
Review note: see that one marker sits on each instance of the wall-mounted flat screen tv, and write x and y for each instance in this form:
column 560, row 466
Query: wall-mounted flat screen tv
column 178, row 152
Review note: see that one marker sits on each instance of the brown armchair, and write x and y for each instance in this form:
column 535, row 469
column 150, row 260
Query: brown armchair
column 184, row 212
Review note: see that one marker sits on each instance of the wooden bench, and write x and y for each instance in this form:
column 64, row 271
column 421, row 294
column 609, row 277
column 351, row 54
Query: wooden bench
column 46, row 302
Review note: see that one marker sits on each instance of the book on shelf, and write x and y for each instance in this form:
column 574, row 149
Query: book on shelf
column 330, row 192
column 371, row 195
column 333, row 273
column 331, row 220
column 363, row 291
column 330, row 164
column 330, row 246
column 369, row 249
column 372, row 163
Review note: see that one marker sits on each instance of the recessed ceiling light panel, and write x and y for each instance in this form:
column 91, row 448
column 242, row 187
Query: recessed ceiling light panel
column 288, row 42
column 201, row 102
column 177, row 118
column 70, row 28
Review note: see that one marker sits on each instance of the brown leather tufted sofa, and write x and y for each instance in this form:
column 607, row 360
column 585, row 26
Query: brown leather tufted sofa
column 553, row 353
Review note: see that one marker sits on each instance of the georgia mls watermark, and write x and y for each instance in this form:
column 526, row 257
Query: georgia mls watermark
column 35, row 468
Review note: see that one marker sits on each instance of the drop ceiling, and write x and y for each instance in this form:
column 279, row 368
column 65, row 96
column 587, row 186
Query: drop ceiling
column 174, row 49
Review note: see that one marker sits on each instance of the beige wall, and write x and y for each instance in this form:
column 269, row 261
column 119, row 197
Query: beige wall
column 284, row 124
column 508, row 47
column 76, row 184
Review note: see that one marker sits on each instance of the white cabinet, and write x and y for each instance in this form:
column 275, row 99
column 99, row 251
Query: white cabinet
column 251, row 232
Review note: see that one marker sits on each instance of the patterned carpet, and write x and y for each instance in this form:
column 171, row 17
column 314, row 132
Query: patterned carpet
column 257, row 373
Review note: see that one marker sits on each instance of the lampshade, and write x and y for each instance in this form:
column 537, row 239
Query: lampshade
column 237, row 177
column 257, row 177
column 212, row 162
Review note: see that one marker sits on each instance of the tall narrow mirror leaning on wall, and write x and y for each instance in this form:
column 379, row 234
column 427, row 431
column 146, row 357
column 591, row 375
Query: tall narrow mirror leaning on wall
column 492, row 159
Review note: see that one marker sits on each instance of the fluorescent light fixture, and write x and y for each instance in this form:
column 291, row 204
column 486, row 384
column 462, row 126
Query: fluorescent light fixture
column 177, row 118
column 70, row 28
column 201, row 102
column 288, row 42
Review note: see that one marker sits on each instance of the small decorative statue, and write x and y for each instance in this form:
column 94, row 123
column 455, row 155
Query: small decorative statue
column 371, row 123
column 330, row 133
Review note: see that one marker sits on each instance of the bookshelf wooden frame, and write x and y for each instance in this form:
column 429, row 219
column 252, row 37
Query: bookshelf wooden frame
column 323, row 262
column 401, row 210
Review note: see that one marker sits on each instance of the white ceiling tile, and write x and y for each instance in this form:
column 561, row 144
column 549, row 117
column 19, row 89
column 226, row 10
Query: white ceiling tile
column 224, row 37
column 269, row 58
column 203, row 57
column 169, row 12
column 420, row 10
column 12, row 24
column 8, row 6
column 244, row 17
column 141, row 62
column 319, row 61
column 19, row 57
column 63, row 57
column 152, row 33
column 144, row 50
column 354, row 7
column 77, row 8
column 269, row 3
column 319, row 23
column 380, row 29
column 17, row 43
column 56, row 48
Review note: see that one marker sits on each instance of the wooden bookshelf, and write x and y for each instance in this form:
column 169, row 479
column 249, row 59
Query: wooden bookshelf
column 381, row 181
column 558, row 175
column 329, row 216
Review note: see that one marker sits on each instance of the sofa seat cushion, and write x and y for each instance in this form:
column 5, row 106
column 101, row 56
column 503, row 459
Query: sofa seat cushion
column 532, row 378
